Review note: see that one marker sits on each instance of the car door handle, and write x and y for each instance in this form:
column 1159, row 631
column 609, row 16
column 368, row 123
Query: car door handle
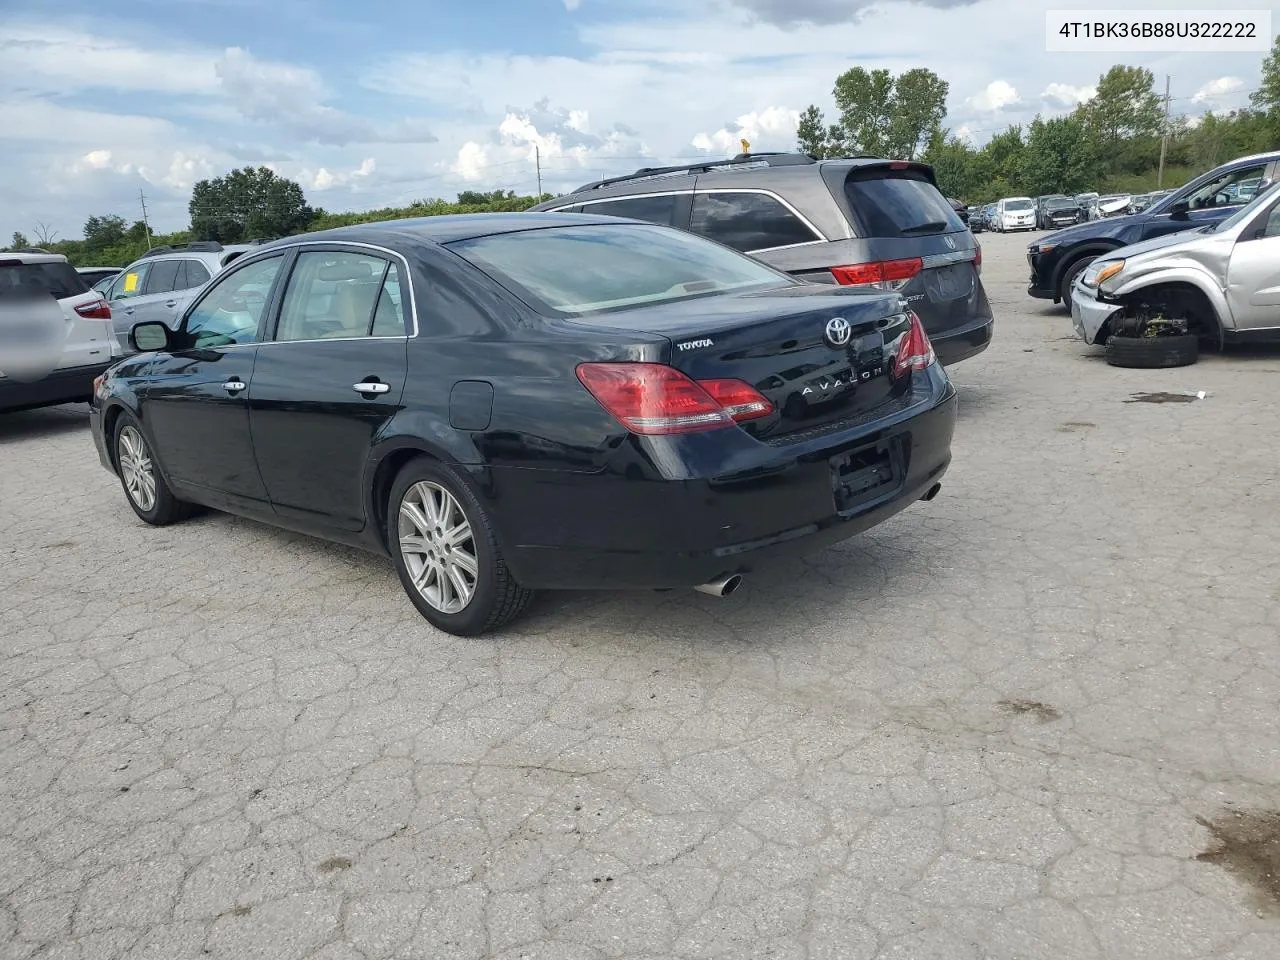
column 233, row 386
column 171, row 304
column 370, row 389
column 128, row 309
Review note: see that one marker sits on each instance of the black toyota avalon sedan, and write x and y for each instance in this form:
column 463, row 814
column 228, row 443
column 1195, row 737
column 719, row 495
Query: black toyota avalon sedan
column 504, row 403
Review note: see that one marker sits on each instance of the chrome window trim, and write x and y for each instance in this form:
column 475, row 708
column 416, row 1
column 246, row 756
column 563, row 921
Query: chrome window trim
column 621, row 196
column 819, row 236
column 286, row 247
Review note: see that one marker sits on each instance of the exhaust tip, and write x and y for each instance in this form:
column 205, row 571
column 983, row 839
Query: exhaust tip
column 722, row 587
column 932, row 492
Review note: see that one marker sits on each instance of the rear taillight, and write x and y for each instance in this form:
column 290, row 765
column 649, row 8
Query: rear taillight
column 738, row 399
column 916, row 352
column 977, row 257
column 654, row 399
column 882, row 275
column 98, row 310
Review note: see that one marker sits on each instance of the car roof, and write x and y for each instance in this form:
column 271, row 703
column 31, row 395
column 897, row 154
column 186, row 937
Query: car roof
column 445, row 229
column 33, row 257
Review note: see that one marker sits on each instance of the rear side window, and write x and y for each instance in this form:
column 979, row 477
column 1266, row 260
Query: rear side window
column 192, row 274
column 56, row 277
column 748, row 221
column 897, row 203
column 163, row 276
column 660, row 210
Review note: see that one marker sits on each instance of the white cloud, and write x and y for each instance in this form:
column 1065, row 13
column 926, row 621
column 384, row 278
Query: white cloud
column 965, row 132
column 1065, row 96
column 325, row 179
column 997, row 95
column 48, row 58
column 773, row 128
column 1218, row 89
column 572, row 5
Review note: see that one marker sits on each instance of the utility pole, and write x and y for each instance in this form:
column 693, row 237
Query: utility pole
column 146, row 225
column 1164, row 140
column 537, row 159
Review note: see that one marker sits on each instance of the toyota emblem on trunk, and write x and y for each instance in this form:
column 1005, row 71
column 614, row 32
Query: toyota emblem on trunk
column 838, row 331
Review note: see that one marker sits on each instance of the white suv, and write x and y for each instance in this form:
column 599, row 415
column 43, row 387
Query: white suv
column 79, row 344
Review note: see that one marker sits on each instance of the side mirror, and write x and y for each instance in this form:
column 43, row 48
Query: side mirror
column 1179, row 210
column 148, row 336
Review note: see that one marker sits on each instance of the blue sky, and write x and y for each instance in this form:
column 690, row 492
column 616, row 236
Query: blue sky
column 385, row 101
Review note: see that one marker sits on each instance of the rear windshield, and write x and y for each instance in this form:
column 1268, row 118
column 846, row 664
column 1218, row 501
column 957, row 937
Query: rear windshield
column 595, row 268
column 56, row 277
column 897, row 203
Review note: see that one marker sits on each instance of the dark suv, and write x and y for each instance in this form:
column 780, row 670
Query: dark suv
column 877, row 224
column 1057, row 259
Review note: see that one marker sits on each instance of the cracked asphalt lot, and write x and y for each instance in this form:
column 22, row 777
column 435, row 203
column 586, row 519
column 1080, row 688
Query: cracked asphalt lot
column 998, row 727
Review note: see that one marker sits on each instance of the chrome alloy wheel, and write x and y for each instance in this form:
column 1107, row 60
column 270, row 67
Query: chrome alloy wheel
column 136, row 469
column 437, row 546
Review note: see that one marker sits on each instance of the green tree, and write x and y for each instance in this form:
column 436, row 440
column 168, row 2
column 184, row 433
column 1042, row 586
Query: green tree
column 103, row 232
column 814, row 136
column 1267, row 97
column 479, row 198
column 919, row 104
column 1058, row 157
column 953, row 164
column 879, row 114
column 1125, row 115
column 248, row 203
column 20, row 241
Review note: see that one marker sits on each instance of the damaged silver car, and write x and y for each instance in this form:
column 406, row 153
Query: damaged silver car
column 1154, row 303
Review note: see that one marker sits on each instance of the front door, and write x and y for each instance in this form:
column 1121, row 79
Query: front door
column 329, row 380
column 1212, row 201
column 1253, row 275
column 196, row 400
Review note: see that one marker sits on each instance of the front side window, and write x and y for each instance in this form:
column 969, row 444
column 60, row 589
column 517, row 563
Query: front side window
column 131, row 282
column 655, row 209
column 1220, row 191
column 331, row 294
column 583, row 270
column 748, row 221
column 232, row 310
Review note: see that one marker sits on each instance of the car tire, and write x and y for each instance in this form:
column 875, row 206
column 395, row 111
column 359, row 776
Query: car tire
column 1152, row 353
column 144, row 485
column 1074, row 269
column 428, row 507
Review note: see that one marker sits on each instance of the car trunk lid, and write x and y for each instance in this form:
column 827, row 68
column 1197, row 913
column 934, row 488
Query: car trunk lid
column 822, row 356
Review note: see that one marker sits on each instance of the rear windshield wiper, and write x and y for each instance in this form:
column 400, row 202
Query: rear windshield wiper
column 933, row 226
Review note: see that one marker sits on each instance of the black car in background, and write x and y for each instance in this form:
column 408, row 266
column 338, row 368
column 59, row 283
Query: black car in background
column 1056, row 260
column 864, row 222
column 1054, row 213
column 961, row 210
column 976, row 222
column 506, row 402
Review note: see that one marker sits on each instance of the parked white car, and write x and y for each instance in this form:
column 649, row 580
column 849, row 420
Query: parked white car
column 1219, row 283
column 1015, row 213
column 55, row 332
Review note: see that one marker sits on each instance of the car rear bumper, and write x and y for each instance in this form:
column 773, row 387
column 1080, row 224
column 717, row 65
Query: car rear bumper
column 631, row 532
column 961, row 343
column 73, row 385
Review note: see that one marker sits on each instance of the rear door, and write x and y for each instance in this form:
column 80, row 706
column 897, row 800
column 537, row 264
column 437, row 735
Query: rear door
column 156, row 302
column 329, row 380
